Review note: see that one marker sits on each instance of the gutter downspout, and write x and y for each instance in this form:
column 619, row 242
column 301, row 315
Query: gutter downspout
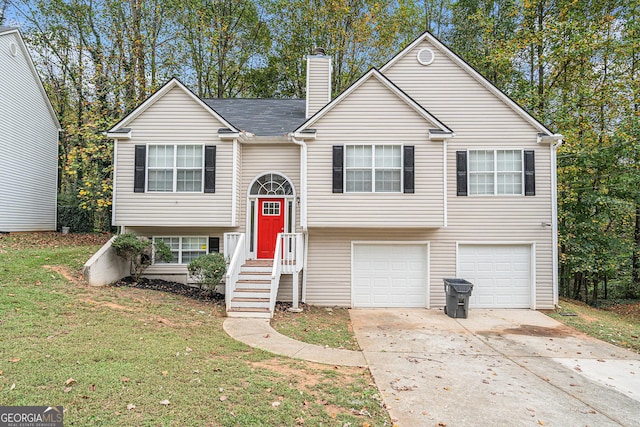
column 303, row 209
column 554, row 219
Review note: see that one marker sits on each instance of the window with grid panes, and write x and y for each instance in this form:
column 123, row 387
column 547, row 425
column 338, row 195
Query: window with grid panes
column 373, row 168
column 495, row 172
column 176, row 168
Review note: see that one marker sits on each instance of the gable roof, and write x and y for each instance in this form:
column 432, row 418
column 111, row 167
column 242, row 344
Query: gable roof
column 262, row 117
column 152, row 99
column 9, row 30
column 374, row 73
column 472, row 72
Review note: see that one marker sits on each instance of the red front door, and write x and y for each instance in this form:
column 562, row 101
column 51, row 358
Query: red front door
column 270, row 223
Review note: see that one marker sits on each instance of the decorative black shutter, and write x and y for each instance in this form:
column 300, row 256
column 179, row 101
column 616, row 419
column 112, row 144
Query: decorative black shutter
column 408, row 170
column 461, row 172
column 139, row 166
column 529, row 173
column 209, row 168
column 338, row 168
column 214, row 245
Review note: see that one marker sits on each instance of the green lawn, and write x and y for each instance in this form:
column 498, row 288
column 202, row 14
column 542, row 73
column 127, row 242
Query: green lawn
column 619, row 325
column 110, row 356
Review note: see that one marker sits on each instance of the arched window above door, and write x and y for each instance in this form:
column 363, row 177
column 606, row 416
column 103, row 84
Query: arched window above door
column 271, row 184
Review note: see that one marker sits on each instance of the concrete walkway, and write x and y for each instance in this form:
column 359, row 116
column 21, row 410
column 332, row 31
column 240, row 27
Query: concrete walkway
column 258, row 333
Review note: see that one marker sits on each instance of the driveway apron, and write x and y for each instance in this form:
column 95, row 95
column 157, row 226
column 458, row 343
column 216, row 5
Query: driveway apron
column 496, row 368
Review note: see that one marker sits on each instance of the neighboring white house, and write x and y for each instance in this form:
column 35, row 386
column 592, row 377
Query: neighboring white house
column 28, row 142
column 419, row 171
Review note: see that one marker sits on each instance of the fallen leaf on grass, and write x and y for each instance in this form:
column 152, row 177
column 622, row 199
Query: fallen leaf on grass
column 164, row 373
column 67, row 389
column 223, row 398
column 14, row 360
column 131, row 406
column 12, row 386
column 164, row 402
column 188, row 349
column 275, row 404
column 70, row 381
column 0, row 371
column 124, row 379
column 92, row 387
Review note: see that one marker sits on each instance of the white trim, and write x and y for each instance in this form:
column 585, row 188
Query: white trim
column 34, row 72
column 159, row 94
column 113, row 185
column 389, row 85
column 554, row 221
column 445, row 187
column 306, row 102
column 119, row 135
column 426, row 243
column 473, row 73
column 234, row 184
column 532, row 272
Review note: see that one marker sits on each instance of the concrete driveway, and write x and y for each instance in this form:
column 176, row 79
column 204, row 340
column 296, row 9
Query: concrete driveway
column 496, row 368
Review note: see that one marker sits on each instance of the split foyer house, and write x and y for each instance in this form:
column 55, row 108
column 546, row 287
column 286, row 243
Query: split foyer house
column 419, row 171
column 28, row 142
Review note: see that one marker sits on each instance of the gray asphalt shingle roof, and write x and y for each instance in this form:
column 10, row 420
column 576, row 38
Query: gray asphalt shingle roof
column 263, row 117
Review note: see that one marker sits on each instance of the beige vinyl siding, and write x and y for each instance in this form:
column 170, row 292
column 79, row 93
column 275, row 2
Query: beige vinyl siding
column 318, row 83
column 28, row 145
column 260, row 158
column 456, row 98
column 174, row 119
column 373, row 114
column 329, row 260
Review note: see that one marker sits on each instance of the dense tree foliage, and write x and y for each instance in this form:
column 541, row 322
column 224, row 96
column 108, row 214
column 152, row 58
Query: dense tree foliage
column 573, row 64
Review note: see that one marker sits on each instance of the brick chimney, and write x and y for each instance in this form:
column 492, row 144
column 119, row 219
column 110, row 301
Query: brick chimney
column 318, row 81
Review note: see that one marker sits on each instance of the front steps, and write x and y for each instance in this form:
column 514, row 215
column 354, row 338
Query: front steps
column 253, row 290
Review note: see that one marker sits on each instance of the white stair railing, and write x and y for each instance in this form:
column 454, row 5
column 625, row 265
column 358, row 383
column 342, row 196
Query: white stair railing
column 276, row 272
column 238, row 258
column 230, row 243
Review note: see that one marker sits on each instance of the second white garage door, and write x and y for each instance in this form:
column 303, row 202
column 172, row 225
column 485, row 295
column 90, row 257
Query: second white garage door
column 501, row 274
column 389, row 275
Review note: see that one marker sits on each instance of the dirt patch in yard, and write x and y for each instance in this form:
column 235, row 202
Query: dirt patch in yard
column 65, row 272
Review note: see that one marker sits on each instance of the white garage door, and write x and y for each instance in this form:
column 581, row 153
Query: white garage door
column 389, row 275
column 501, row 275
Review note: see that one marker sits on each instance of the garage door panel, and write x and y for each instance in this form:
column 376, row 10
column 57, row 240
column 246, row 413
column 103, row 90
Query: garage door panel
column 501, row 274
column 394, row 276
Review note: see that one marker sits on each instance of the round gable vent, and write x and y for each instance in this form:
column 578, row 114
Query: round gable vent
column 426, row 56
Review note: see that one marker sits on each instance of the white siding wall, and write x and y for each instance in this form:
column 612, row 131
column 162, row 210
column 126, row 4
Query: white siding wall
column 28, row 146
column 174, row 118
column 480, row 121
column 372, row 114
column 261, row 158
column 318, row 83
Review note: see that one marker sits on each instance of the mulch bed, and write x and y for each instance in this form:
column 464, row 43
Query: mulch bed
column 172, row 288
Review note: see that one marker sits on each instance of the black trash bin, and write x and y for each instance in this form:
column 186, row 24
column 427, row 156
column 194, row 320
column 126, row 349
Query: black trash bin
column 458, row 292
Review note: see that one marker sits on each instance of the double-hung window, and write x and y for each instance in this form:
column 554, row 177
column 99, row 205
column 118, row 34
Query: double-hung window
column 175, row 168
column 496, row 172
column 373, row 168
column 184, row 249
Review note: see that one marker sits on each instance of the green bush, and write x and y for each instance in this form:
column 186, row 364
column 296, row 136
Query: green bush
column 78, row 220
column 138, row 251
column 208, row 271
